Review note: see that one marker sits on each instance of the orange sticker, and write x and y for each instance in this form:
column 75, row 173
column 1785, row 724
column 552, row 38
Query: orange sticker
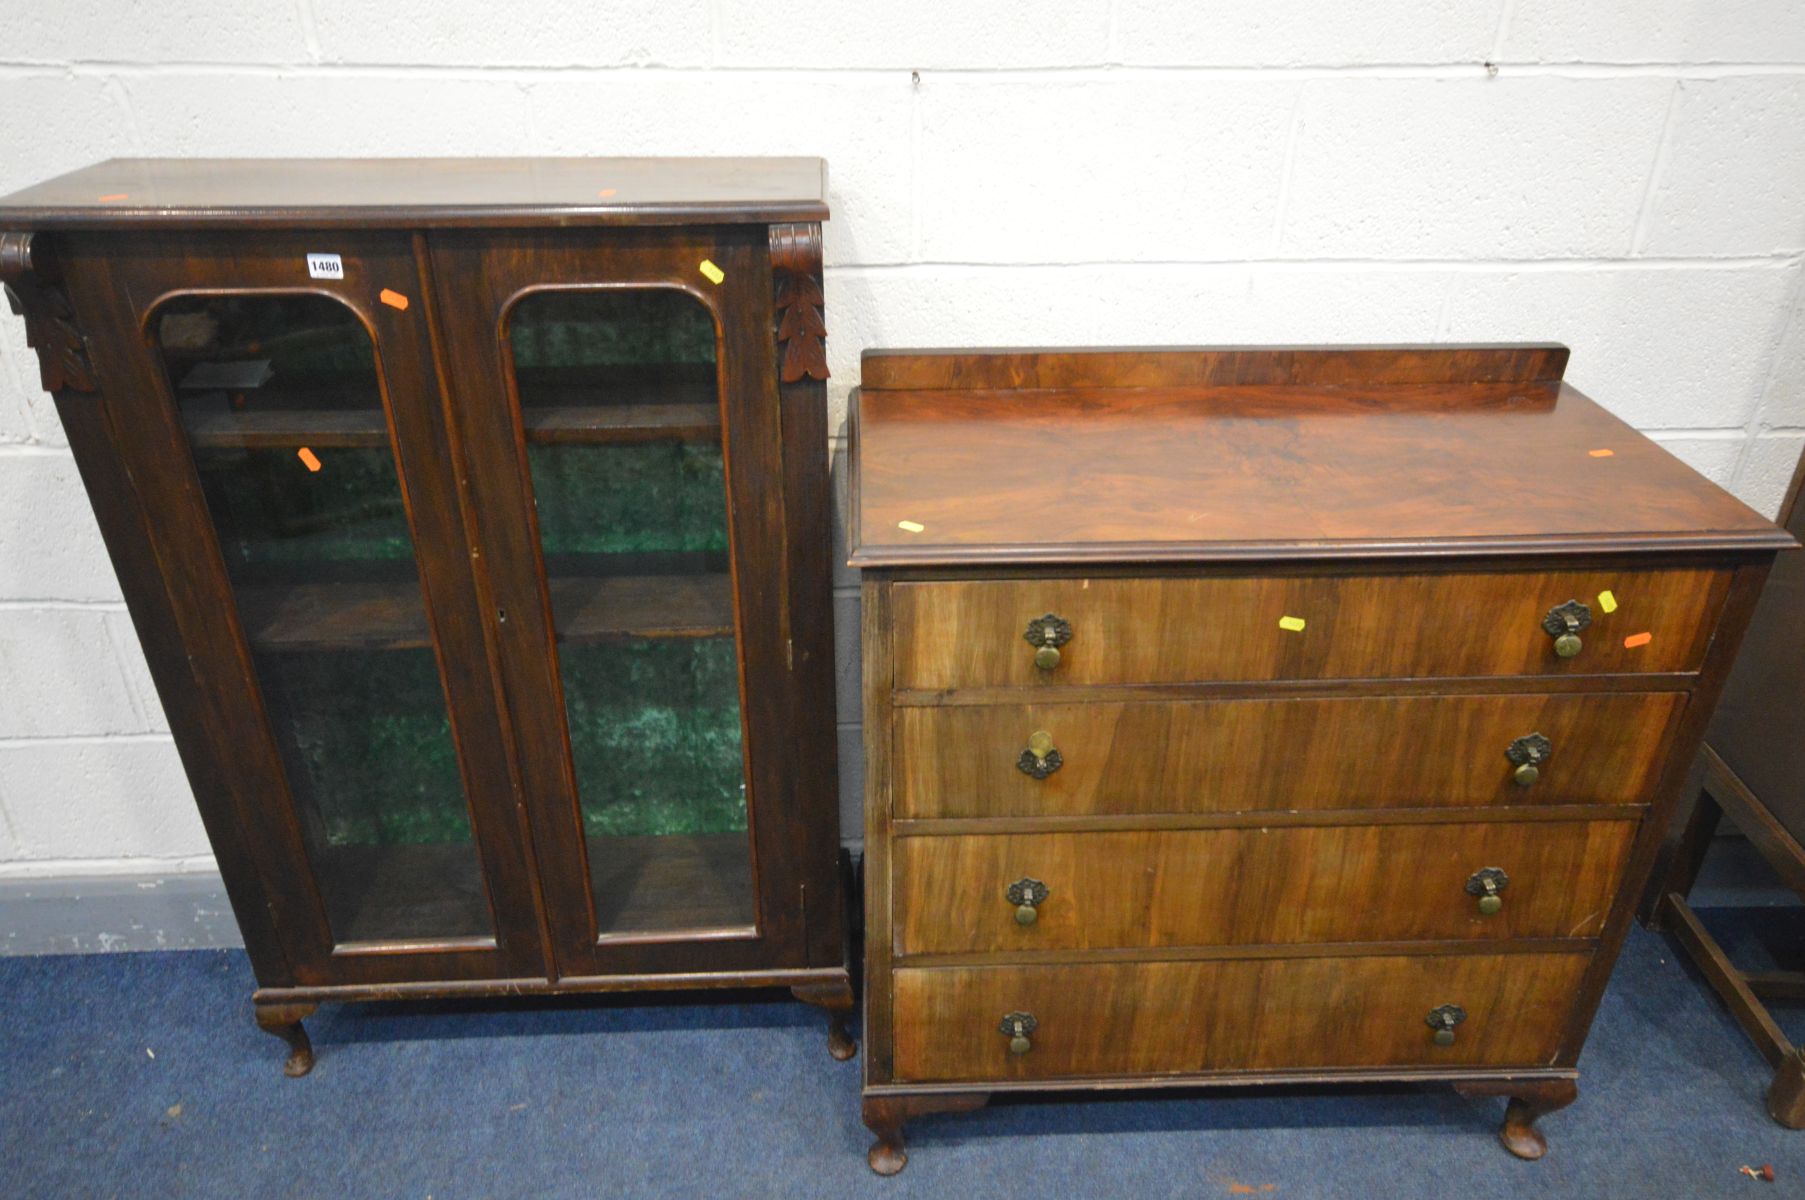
column 308, row 458
column 605, row 193
column 1601, row 453
column 1637, row 639
column 113, row 198
column 393, row 299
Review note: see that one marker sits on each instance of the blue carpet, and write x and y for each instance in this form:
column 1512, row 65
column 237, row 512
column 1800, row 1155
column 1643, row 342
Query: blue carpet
column 142, row 1075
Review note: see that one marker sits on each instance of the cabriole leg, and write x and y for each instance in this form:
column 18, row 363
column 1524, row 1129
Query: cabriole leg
column 284, row 1020
column 836, row 997
column 886, row 1115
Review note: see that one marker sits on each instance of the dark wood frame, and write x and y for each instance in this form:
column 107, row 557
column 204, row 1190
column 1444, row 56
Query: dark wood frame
column 1532, row 1091
column 1718, row 790
column 86, row 290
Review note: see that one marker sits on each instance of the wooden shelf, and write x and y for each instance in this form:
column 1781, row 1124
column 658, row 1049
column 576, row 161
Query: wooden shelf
column 283, row 429
column 580, row 404
column 622, row 606
column 403, row 893
column 672, row 883
column 676, row 882
column 593, row 423
column 391, row 615
column 557, row 408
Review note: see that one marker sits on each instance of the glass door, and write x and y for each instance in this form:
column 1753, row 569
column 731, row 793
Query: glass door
column 619, row 397
column 300, row 471
column 632, row 514
column 282, row 404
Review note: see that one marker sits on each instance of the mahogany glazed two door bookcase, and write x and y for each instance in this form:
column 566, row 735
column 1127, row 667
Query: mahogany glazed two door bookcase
column 473, row 516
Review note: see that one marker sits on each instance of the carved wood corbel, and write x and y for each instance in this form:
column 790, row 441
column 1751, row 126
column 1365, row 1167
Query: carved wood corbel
column 801, row 327
column 34, row 291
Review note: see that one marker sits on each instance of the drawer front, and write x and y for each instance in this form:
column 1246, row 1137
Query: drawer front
column 1250, row 887
column 1154, row 1018
column 1254, row 755
column 1174, row 630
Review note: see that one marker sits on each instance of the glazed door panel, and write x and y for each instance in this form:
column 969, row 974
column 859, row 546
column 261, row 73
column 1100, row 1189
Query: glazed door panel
column 285, row 439
column 617, row 402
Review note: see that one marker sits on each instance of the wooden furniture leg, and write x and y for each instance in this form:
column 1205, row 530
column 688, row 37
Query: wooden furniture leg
column 1530, row 1100
column 886, row 1115
column 1786, row 1095
column 284, row 1020
column 836, row 998
column 1684, row 859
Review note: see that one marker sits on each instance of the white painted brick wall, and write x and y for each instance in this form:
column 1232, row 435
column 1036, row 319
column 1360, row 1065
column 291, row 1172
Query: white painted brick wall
column 1630, row 180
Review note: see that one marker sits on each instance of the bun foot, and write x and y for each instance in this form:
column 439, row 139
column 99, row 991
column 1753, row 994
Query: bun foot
column 836, row 997
column 1530, row 1100
column 885, row 1158
column 284, row 1021
column 839, row 1038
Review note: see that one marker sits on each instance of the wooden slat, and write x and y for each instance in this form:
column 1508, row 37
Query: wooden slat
column 1776, row 985
column 1727, row 981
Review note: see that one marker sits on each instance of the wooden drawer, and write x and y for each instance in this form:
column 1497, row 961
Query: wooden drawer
column 1254, row 755
column 1175, row 630
column 1254, row 886
column 1155, row 1018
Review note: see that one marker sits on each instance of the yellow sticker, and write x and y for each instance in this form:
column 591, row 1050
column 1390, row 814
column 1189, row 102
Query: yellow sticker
column 1294, row 624
column 713, row 273
column 1607, row 601
column 911, row 526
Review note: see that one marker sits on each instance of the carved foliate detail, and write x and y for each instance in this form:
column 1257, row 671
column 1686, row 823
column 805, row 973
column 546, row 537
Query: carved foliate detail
column 801, row 324
column 34, row 292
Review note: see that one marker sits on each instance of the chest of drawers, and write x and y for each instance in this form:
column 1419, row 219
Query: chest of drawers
column 1266, row 716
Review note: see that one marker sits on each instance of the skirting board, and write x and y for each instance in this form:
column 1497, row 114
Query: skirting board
column 93, row 914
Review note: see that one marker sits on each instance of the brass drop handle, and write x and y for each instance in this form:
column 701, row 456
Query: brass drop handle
column 1047, row 634
column 1016, row 1027
column 1563, row 623
column 1527, row 754
column 1443, row 1019
column 1027, row 895
column 1041, row 758
column 1486, row 884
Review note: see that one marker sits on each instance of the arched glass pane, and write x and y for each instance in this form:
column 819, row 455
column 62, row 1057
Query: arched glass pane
column 620, row 401
column 283, row 407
